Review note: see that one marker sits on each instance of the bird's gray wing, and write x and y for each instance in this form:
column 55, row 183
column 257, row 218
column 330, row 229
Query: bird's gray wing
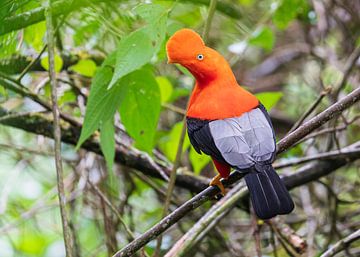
column 246, row 140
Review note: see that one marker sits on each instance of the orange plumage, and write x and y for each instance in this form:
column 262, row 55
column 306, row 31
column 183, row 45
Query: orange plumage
column 217, row 94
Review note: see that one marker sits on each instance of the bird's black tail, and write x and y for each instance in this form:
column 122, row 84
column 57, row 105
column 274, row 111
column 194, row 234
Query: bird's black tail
column 268, row 193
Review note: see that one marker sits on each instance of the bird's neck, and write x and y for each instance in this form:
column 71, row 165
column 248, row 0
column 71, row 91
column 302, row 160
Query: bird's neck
column 219, row 99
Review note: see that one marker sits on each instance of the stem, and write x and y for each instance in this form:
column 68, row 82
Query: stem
column 57, row 134
column 212, row 9
column 342, row 244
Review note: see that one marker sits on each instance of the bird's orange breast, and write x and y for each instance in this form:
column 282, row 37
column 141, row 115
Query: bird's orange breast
column 220, row 101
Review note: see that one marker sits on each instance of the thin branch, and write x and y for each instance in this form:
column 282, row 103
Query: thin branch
column 113, row 208
column 202, row 226
column 317, row 121
column 321, row 156
column 31, row 64
column 212, row 8
column 342, row 244
column 68, row 238
column 311, row 109
column 172, row 181
column 177, row 162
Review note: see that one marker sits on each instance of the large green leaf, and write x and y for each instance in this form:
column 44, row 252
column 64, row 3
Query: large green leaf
column 107, row 142
column 102, row 103
column 198, row 161
column 140, row 107
column 169, row 143
column 166, row 88
column 269, row 99
column 137, row 49
column 85, row 67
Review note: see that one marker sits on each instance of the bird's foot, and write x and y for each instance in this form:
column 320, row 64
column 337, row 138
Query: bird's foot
column 216, row 182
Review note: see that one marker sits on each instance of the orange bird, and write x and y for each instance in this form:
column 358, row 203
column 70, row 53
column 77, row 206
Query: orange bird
column 229, row 123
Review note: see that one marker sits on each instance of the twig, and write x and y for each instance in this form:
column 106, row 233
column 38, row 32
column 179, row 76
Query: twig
column 212, row 8
column 321, row 156
column 256, row 233
column 217, row 211
column 342, row 244
column 31, row 64
column 318, row 120
column 354, row 56
column 57, row 133
column 112, row 207
column 310, row 109
column 202, row 197
column 172, row 180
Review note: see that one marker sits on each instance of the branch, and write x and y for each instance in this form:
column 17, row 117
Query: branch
column 68, row 238
column 16, row 64
column 36, row 15
column 342, row 244
column 321, row 156
column 314, row 123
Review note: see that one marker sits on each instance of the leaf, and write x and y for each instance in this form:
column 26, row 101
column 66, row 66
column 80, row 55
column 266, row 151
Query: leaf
column 263, row 38
column 102, row 103
column 198, row 161
column 166, row 88
column 137, row 49
column 58, row 63
column 149, row 12
column 269, row 99
column 169, row 144
column 287, row 11
column 34, row 35
column 85, row 67
column 140, row 107
column 107, row 142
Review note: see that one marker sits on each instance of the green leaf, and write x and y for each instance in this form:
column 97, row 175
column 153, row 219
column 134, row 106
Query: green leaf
column 107, row 142
column 264, row 38
column 269, row 99
column 287, row 11
column 166, row 88
column 140, row 107
column 85, row 67
column 149, row 12
column 169, row 144
column 34, row 35
column 137, row 49
column 58, row 63
column 102, row 103
column 198, row 161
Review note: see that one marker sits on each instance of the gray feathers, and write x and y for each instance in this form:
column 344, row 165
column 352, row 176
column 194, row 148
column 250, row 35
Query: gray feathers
column 243, row 141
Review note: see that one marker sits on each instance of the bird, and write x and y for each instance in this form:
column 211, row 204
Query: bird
column 228, row 123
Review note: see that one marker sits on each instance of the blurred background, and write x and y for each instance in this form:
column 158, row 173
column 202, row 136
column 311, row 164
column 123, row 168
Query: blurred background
column 293, row 54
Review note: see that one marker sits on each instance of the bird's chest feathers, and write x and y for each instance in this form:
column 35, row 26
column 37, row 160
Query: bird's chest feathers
column 220, row 102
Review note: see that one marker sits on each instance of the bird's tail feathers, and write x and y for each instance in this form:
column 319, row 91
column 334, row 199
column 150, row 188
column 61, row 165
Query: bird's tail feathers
column 268, row 193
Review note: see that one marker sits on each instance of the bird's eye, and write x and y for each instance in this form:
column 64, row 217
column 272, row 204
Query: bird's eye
column 200, row 57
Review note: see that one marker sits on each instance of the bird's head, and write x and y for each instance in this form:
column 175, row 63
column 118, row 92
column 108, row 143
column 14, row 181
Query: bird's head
column 188, row 49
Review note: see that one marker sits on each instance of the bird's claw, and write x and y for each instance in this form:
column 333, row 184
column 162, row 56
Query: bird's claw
column 216, row 182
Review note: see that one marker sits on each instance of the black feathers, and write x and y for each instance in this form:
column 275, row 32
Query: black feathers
column 268, row 193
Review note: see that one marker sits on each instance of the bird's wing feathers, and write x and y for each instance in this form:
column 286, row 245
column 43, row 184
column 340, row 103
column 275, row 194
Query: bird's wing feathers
column 201, row 138
column 240, row 141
